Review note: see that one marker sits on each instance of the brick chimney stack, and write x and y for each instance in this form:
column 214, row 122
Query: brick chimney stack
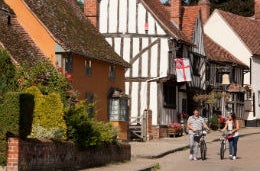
column 257, row 10
column 174, row 9
column 205, row 9
column 91, row 10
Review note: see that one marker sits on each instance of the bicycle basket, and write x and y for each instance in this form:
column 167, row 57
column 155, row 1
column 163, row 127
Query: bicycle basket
column 197, row 138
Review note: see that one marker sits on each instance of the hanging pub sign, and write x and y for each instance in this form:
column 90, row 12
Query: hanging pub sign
column 183, row 69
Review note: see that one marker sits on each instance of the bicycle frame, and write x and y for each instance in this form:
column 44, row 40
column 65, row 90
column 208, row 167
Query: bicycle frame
column 223, row 142
column 202, row 143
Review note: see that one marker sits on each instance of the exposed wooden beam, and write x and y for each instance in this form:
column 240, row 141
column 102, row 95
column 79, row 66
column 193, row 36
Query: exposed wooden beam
column 142, row 51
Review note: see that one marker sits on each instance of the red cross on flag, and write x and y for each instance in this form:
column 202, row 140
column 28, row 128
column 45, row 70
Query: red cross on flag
column 183, row 69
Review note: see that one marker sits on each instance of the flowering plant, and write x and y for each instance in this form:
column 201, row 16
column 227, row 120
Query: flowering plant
column 175, row 125
column 221, row 119
column 182, row 115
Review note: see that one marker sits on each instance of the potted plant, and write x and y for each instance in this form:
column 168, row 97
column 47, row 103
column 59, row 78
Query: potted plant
column 174, row 129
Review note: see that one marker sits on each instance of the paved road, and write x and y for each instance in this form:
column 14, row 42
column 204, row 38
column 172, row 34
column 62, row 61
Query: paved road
column 248, row 158
column 143, row 154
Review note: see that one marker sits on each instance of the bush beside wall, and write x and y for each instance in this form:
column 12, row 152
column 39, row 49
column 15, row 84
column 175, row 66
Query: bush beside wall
column 48, row 119
column 16, row 118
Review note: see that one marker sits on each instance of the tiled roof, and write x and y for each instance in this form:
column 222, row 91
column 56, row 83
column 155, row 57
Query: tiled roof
column 189, row 17
column 246, row 28
column 73, row 31
column 216, row 53
column 14, row 38
column 5, row 8
column 161, row 14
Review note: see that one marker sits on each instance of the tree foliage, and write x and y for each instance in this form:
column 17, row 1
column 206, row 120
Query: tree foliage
column 239, row 7
column 7, row 73
column 45, row 76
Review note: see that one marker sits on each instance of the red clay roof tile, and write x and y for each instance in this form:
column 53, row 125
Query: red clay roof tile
column 216, row 53
column 247, row 28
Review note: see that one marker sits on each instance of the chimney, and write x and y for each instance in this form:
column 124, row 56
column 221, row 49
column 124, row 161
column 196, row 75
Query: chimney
column 205, row 10
column 91, row 10
column 257, row 10
column 174, row 9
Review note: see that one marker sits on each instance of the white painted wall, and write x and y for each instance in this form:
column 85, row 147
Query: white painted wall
column 129, row 16
column 219, row 31
column 256, row 84
column 222, row 33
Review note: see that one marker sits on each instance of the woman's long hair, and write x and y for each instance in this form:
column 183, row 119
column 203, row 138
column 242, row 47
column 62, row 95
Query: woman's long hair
column 234, row 118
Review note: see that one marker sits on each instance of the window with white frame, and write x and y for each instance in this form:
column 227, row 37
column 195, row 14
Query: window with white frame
column 118, row 106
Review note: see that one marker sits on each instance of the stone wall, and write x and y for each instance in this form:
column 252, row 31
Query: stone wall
column 48, row 155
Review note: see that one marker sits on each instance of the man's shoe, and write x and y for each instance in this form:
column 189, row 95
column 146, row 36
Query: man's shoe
column 230, row 156
column 234, row 157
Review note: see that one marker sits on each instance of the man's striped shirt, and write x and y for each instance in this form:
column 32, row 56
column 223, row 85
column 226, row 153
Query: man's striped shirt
column 196, row 123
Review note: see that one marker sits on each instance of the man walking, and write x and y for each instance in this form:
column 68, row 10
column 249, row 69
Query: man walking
column 195, row 123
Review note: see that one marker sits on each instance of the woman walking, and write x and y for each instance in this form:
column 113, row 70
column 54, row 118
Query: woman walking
column 232, row 127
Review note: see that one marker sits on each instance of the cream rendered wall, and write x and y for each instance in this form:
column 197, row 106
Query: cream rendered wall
column 219, row 31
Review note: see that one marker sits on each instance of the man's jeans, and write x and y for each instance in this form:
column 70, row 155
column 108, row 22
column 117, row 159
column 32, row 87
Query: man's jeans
column 193, row 145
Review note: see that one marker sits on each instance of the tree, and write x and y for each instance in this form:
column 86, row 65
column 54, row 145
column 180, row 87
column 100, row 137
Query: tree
column 7, row 73
column 239, row 7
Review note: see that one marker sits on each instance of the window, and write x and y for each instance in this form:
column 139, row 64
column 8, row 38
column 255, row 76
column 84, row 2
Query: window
column 179, row 50
column 258, row 98
column 64, row 63
column 90, row 104
column 218, row 76
column 165, row 2
column 68, row 63
column 112, row 72
column 169, row 95
column 196, row 65
column 88, row 67
column 118, row 106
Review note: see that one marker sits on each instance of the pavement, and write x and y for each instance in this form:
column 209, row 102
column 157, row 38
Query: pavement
column 143, row 154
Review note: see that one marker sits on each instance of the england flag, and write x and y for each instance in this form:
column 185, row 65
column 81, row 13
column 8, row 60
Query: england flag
column 183, row 69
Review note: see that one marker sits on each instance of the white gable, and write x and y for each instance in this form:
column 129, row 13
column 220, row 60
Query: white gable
column 222, row 33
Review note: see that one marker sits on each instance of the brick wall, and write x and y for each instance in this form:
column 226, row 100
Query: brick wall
column 48, row 155
column 159, row 131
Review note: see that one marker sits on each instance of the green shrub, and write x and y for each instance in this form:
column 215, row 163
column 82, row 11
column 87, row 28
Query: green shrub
column 16, row 114
column 85, row 131
column 16, row 119
column 45, row 76
column 48, row 120
column 214, row 122
column 7, row 73
column 3, row 152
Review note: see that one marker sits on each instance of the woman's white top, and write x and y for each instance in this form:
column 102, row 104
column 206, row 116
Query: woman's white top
column 230, row 128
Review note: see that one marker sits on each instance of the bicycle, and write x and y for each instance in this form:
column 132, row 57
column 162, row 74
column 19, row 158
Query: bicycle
column 223, row 141
column 199, row 137
column 222, row 149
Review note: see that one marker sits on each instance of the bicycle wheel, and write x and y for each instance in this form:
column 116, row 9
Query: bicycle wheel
column 203, row 150
column 222, row 150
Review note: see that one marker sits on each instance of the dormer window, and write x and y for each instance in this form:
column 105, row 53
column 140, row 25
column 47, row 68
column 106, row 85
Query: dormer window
column 165, row 2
